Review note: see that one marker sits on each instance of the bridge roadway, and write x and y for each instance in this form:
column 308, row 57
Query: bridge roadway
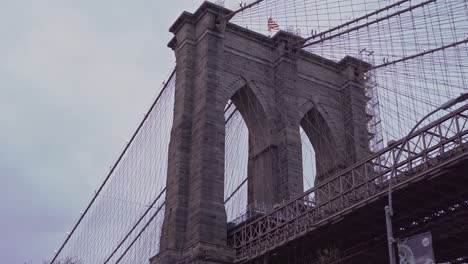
column 346, row 212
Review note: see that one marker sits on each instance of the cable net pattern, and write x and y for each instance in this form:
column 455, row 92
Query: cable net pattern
column 122, row 224
column 236, row 161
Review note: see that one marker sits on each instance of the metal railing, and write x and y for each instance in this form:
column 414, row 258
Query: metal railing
column 435, row 145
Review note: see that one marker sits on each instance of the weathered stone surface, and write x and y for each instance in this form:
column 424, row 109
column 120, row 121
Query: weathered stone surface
column 277, row 90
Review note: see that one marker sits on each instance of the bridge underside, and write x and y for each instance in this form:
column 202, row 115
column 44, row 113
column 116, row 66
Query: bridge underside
column 360, row 236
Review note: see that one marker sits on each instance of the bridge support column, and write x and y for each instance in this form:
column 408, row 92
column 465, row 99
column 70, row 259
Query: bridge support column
column 263, row 185
column 354, row 103
column 277, row 168
column 194, row 229
column 290, row 145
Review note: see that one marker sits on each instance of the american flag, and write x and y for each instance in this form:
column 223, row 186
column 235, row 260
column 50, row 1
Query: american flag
column 272, row 25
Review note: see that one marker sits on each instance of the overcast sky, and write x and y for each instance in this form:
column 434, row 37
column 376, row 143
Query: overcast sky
column 75, row 79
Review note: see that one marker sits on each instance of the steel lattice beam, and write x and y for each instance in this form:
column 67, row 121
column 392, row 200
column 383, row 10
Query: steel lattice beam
column 360, row 183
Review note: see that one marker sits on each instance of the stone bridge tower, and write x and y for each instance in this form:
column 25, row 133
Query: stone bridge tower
column 287, row 88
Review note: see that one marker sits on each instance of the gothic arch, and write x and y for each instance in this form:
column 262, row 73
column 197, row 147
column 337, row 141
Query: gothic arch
column 244, row 85
column 321, row 136
column 262, row 158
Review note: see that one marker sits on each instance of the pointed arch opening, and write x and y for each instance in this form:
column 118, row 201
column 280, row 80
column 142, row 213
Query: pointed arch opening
column 236, row 152
column 246, row 138
column 319, row 157
column 309, row 164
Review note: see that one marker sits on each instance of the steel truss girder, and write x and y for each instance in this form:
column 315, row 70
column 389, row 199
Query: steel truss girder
column 435, row 145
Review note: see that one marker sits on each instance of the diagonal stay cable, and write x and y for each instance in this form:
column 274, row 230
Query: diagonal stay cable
column 230, row 116
column 135, row 225
column 241, row 9
column 409, row 9
column 236, row 190
column 113, row 168
column 386, row 8
column 420, row 54
column 141, row 232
